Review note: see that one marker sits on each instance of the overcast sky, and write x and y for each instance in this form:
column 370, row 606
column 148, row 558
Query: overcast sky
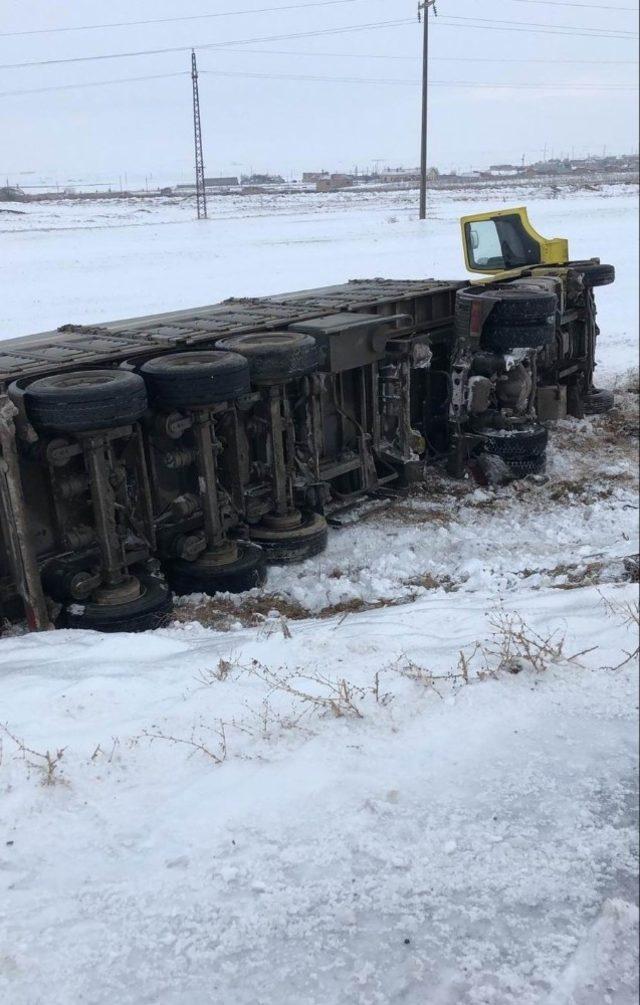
column 573, row 91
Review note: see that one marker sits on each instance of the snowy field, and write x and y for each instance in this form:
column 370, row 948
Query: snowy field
column 405, row 771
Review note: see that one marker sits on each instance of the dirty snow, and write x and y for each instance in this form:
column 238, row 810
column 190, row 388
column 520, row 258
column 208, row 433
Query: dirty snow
column 312, row 806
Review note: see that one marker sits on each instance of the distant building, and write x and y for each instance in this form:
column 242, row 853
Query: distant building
column 224, row 182
column 553, row 167
column 263, row 179
column 11, row 193
column 333, row 182
column 314, row 176
column 405, row 176
column 504, row 170
column 392, row 176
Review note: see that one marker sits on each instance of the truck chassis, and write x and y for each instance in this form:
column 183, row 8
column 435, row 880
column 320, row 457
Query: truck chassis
column 185, row 451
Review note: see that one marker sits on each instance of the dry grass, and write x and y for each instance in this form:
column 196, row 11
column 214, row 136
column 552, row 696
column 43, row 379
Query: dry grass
column 47, row 763
column 426, row 678
column 513, row 647
column 627, row 614
column 579, row 574
column 272, row 613
column 339, row 698
column 629, row 382
column 251, row 611
column 198, row 742
column 573, row 490
column 312, row 693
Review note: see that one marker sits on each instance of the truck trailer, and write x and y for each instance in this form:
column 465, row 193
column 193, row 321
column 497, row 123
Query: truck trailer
column 184, row 452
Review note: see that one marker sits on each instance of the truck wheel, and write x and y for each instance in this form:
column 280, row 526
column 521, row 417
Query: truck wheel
column 596, row 275
column 246, row 572
column 516, row 444
column 528, row 466
column 275, row 356
column 632, row 568
column 190, row 379
column 285, row 546
column 505, row 337
column 511, row 304
column 597, row 401
column 86, row 400
column 150, row 610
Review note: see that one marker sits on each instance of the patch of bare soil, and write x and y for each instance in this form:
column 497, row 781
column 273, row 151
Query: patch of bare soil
column 618, row 429
column 272, row 610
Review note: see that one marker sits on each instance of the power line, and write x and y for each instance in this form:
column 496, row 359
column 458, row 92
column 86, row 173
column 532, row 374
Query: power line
column 92, row 83
column 173, row 20
column 562, row 32
column 209, row 45
column 319, row 78
column 583, row 6
column 433, row 59
column 414, row 82
column 446, row 21
column 527, row 25
column 269, row 10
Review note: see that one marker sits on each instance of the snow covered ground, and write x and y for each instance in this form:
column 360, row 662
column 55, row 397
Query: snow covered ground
column 307, row 796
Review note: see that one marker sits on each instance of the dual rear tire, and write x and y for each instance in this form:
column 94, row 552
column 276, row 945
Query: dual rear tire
column 195, row 379
column 244, row 572
column 86, row 400
column 152, row 609
column 523, row 450
column 513, row 317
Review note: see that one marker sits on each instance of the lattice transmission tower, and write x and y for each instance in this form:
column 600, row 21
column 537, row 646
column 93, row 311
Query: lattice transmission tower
column 201, row 195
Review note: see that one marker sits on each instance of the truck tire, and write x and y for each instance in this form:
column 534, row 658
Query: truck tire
column 245, row 573
column 597, row 401
column 86, row 400
column 596, row 275
column 285, row 547
column 274, row 357
column 516, row 444
column 514, row 304
column 528, row 466
column 150, row 610
column 631, row 566
column 503, row 338
column 192, row 379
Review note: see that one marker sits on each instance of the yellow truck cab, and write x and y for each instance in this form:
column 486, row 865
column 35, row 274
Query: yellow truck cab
column 510, row 255
column 504, row 241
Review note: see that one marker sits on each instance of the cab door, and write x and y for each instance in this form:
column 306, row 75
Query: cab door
column 505, row 240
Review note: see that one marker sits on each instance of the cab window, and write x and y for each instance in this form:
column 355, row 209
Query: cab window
column 484, row 245
column 501, row 242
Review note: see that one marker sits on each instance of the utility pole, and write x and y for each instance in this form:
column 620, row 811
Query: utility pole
column 423, row 9
column 201, row 195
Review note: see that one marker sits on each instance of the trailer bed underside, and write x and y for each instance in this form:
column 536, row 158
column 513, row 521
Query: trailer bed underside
column 428, row 301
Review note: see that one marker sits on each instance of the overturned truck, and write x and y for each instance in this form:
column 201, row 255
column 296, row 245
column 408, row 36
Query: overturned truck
column 184, row 452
